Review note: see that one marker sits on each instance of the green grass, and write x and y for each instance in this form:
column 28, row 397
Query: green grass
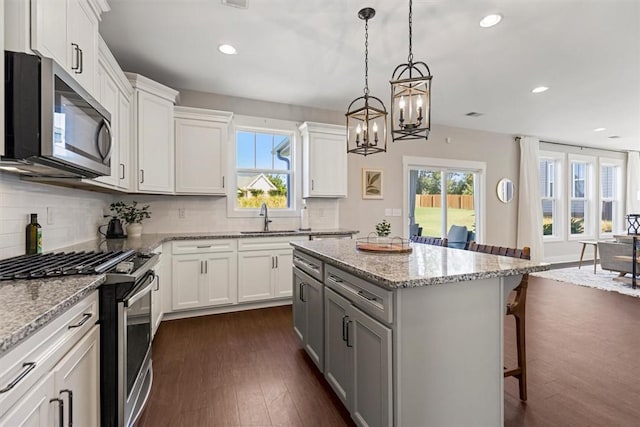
column 429, row 219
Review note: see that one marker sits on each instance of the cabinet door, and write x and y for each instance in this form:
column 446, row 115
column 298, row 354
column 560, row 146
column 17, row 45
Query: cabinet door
column 221, row 278
column 371, row 341
column 49, row 29
column 255, row 275
column 35, row 409
column 337, row 356
column 124, row 143
column 314, row 336
column 109, row 99
column 83, row 32
column 187, row 271
column 327, row 166
column 199, row 142
column 282, row 281
column 77, row 379
column 155, row 144
column 299, row 308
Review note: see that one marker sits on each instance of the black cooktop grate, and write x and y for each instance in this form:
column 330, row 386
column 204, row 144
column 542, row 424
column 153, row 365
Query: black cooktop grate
column 60, row 264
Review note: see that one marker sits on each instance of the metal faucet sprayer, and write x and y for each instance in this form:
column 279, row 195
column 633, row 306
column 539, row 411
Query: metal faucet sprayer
column 264, row 211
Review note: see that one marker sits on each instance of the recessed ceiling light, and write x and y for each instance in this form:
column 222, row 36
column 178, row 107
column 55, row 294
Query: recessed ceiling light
column 614, row 137
column 599, row 129
column 474, row 114
column 539, row 89
column 227, row 49
column 490, row 20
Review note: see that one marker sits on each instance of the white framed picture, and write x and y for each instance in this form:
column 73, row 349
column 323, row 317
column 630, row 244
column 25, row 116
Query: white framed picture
column 372, row 184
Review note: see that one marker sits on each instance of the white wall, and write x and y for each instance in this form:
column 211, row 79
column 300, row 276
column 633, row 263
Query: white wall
column 499, row 151
column 76, row 214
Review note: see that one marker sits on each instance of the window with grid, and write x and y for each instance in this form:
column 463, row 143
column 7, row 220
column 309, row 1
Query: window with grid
column 547, row 191
column 609, row 198
column 263, row 170
column 578, row 213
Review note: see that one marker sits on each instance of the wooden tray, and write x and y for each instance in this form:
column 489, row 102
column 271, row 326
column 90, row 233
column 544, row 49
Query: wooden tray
column 393, row 248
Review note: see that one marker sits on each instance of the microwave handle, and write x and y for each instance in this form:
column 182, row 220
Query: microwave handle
column 105, row 123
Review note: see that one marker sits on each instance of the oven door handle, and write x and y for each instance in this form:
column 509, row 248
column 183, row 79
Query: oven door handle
column 138, row 295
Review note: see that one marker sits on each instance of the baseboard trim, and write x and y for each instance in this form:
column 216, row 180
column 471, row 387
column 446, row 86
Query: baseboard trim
column 175, row 315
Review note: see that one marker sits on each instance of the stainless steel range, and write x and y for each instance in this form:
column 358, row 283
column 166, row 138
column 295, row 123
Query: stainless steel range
column 125, row 321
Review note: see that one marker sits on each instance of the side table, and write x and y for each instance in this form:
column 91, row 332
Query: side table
column 593, row 243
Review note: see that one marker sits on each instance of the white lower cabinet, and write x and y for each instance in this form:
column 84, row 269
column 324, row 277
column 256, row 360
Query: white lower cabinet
column 76, row 380
column 53, row 377
column 203, row 279
column 308, row 315
column 156, row 293
column 358, row 361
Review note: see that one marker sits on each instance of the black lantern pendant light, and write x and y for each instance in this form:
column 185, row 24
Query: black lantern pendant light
column 366, row 115
column 410, row 97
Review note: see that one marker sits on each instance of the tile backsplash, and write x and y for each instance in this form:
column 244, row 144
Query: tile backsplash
column 208, row 214
column 67, row 216
column 70, row 216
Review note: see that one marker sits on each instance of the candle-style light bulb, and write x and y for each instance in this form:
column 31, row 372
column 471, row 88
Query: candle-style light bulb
column 401, row 104
column 375, row 132
column 419, row 105
column 358, row 130
column 365, row 139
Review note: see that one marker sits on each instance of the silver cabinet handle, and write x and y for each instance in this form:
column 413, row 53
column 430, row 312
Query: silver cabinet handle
column 347, row 340
column 312, row 185
column 223, row 182
column 206, row 267
column 76, row 50
column 141, row 176
column 344, row 327
column 60, row 410
column 157, row 283
column 335, row 279
column 367, row 296
column 302, row 285
column 30, row 366
column 203, row 246
column 121, row 170
column 273, row 263
column 70, row 411
column 201, row 267
column 276, row 261
column 81, row 62
column 85, row 318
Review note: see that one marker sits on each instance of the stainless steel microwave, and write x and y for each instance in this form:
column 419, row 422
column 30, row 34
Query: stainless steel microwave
column 53, row 126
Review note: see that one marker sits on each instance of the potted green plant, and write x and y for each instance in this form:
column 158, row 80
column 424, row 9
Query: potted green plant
column 383, row 228
column 132, row 215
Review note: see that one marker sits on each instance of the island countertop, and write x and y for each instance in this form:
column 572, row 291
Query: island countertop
column 425, row 265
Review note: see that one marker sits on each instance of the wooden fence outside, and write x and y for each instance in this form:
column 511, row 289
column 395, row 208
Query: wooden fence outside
column 454, row 201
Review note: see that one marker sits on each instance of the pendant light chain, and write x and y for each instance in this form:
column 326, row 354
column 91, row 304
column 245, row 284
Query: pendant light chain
column 410, row 32
column 366, row 57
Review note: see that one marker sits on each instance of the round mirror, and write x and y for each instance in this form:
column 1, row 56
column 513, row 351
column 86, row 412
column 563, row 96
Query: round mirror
column 505, row 190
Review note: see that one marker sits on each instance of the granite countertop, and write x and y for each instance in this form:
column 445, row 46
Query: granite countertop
column 28, row 305
column 148, row 242
column 426, row 265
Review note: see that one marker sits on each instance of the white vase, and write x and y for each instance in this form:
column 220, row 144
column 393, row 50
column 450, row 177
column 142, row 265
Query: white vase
column 134, row 230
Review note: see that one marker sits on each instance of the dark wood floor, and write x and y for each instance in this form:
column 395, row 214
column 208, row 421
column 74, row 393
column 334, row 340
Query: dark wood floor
column 247, row 369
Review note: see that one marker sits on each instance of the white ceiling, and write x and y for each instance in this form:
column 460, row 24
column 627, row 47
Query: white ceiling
column 311, row 53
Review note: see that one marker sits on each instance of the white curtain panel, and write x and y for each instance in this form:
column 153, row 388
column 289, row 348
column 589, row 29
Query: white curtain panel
column 633, row 182
column 529, row 202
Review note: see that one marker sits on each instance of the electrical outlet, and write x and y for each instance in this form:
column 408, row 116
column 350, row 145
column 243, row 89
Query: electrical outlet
column 182, row 213
column 50, row 218
column 388, row 212
column 397, row 212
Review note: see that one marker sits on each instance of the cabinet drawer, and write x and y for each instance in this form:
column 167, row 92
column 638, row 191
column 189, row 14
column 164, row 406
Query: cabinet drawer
column 267, row 243
column 372, row 299
column 25, row 364
column 310, row 265
column 202, row 246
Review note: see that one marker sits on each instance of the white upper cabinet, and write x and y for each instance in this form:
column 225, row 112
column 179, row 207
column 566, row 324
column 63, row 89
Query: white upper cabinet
column 115, row 93
column 67, row 31
column 154, row 135
column 201, row 150
column 324, row 160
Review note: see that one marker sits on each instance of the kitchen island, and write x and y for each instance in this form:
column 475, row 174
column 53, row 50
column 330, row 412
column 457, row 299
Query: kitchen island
column 409, row 339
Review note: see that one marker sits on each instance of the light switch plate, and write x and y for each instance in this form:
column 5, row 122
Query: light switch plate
column 388, row 212
column 397, row 212
column 50, row 218
column 182, row 213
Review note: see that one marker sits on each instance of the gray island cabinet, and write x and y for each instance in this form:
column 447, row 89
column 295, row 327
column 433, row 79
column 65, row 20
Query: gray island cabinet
column 407, row 340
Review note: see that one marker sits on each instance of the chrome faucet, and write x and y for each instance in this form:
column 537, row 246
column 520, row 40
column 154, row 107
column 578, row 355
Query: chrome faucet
column 265, row 213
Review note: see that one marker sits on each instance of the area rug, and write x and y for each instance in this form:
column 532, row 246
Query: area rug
column 584, row 277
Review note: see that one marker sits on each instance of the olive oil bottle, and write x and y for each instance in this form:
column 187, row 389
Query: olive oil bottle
column 33, row 244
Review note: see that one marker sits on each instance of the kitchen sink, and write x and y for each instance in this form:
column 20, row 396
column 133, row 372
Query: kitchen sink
column 269, row 232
